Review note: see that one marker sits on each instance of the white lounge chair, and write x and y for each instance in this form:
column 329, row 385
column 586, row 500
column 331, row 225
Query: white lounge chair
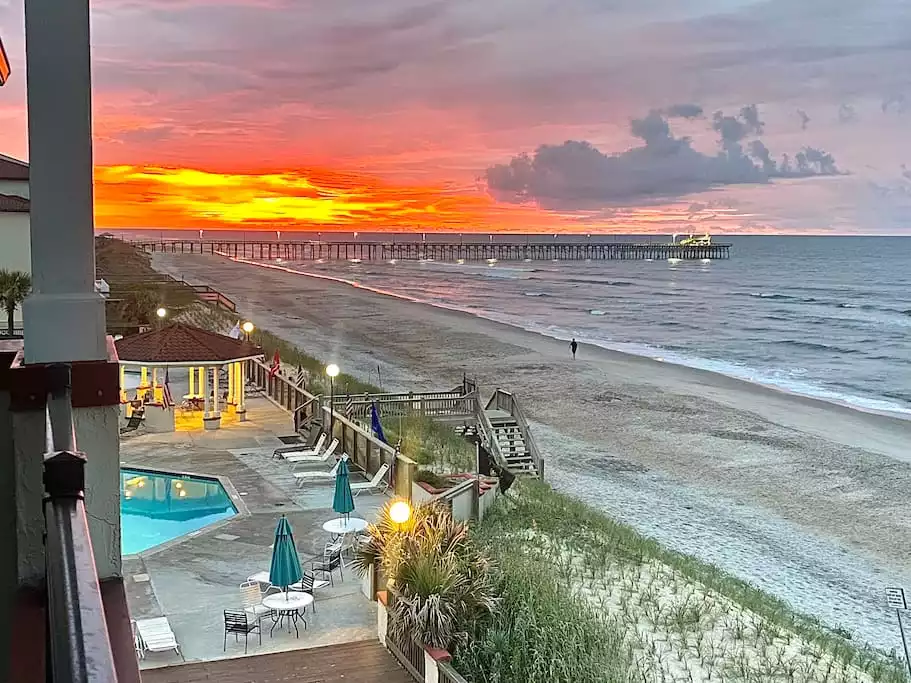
column 378, row 481
column 316, row 476
column 314, row 458
column 156, row 635
column 286, row 451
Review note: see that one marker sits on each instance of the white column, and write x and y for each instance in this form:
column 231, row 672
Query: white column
column 123, row 393
column 205, row 392
column 231, row 383
column 64, row 317
column 143, row 376
column 192, row 374
column 241, row 394
column 215, row 372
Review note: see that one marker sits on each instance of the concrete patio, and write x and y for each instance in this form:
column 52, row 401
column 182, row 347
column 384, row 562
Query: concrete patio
column 193, row 579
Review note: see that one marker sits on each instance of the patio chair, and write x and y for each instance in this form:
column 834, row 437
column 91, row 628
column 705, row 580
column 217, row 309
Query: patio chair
column 285, row 451
column 331, row 560
column 236, row 622
column 133, row 423
column 137, row 641
column 316, row 476
column 378, row 482
column 251, row 597
column 156, row 635
column 296, row 457
column 307, row 585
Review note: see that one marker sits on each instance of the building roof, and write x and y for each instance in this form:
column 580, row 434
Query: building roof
column 12, row 169
column 180, row 343
column 10, row 203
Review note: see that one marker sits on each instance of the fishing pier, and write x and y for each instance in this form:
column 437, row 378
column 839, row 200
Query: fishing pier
column 354, row 250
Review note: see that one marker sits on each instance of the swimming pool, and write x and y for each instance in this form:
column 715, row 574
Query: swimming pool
column 156, row 507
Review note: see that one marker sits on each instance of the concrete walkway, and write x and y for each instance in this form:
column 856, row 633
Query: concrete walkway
column 193, row 579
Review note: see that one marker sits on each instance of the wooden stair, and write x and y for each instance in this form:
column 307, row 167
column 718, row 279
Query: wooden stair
column 512, row 442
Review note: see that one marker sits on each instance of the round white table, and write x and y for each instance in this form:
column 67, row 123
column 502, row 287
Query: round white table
column 342, row 526
column 287, row 605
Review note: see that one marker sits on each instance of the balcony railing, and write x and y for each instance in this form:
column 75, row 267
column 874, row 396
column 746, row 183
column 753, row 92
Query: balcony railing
column 78, row 643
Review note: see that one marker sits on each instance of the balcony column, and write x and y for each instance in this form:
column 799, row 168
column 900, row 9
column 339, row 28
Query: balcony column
column 63, row 319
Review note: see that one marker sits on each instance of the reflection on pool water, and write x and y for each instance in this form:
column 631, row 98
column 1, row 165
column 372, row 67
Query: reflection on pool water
column 156, row 507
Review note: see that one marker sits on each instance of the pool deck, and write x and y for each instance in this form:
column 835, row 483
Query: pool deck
column 191, row 580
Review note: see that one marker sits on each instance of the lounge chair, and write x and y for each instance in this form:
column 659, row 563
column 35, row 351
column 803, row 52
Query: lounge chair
column 297, row 457
column 156, row 635
column 315, row 476
column 289, row 450
column 378, row 482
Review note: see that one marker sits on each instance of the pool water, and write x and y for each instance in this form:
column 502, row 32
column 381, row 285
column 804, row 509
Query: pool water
column 156, row 507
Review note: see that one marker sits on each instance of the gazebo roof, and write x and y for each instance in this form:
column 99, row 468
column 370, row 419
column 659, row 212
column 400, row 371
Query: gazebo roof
column 179, row 343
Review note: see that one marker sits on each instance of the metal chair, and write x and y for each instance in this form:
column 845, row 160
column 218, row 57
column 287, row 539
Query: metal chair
column 307, row 584
column 332, row 560
column 236, row 622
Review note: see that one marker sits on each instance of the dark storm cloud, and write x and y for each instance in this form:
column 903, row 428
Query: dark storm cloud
column 683, row 111
column 576, row 174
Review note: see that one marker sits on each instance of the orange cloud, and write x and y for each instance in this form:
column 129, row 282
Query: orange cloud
column 154, row 196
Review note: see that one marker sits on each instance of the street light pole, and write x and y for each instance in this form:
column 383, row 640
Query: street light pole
column 332, row 370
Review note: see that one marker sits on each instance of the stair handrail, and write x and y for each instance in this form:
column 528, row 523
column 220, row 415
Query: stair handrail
column 507, row 402
column 487, row 433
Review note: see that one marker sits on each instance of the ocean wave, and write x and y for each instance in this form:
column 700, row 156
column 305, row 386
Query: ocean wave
column 816, row 346
column 536, row 294
column 597, row 312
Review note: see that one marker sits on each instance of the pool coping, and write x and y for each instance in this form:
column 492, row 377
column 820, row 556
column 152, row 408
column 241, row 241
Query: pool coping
column 236, row 500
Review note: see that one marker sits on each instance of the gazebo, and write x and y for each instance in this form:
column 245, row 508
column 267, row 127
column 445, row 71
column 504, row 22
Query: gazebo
column 204, row 354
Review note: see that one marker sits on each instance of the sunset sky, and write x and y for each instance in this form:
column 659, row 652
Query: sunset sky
column 359, row 114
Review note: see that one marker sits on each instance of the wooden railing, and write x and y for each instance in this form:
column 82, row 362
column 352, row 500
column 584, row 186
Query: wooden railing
column 448, row 674
column 430, row 404
column 365, row 450
column 486, row 433
column 408, row 653
column 210, row 295
column 505, row 401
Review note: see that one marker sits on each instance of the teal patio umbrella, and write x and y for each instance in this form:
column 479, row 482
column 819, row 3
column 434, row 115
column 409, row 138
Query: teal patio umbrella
column 343, row 501
column 286, row 566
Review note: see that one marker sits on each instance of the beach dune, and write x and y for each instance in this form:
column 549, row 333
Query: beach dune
column 806, row 499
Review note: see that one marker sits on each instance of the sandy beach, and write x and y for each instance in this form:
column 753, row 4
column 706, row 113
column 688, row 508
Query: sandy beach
column 803, row 498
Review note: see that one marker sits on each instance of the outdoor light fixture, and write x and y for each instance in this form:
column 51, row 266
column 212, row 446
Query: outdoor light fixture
column 248, row 327
column 332, row 371
column 400, row 511
column 161, row 312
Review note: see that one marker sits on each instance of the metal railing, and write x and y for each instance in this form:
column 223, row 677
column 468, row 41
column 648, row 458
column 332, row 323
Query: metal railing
column 505, row 401
column 78, row 639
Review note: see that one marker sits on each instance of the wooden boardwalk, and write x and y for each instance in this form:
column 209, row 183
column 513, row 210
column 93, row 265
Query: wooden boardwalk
column 364, row 662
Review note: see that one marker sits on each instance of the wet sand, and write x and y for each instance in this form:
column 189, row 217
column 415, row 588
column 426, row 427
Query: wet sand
column 806, row 499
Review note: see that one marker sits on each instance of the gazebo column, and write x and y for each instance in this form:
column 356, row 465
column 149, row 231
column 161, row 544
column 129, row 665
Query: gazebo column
column 143, row 376
column 212, row 420
column 241, row 391
column 232, row 384
column 192, row 389
column 207, row 401
column 123, row 377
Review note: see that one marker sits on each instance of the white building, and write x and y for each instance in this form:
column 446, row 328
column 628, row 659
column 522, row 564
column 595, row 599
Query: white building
column 15, row 253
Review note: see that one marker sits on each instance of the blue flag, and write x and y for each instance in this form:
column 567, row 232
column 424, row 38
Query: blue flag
column 375, row 424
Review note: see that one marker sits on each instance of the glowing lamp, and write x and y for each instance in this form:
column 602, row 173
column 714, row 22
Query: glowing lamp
column 332, row 370
column 161, row 312
column 248, row 327
column 400, row 512
column 182, row 493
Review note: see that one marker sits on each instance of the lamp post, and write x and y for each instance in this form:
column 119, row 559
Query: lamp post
column 332, row 371
column 400, row 513
column 248, row 328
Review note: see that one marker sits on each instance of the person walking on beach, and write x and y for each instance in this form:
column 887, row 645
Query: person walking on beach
column 573, row 346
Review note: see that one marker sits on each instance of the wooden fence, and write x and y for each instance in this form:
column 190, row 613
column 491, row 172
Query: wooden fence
column 408, row 653
column 365, row 450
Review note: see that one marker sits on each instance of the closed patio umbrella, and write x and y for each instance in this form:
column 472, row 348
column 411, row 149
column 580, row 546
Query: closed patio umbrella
column 343, row 501
column 286, row 567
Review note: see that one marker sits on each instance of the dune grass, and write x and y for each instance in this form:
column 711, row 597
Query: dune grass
column 668, row 616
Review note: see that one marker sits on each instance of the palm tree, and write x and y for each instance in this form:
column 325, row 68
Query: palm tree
column 439, row 580
column 14, row 287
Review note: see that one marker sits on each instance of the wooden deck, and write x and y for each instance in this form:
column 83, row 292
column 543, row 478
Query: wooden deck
column 364, row 662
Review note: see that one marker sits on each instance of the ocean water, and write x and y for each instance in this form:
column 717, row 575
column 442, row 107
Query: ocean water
column 827, row 317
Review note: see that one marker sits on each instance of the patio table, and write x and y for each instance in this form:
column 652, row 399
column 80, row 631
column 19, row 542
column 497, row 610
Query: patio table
column 288, row 605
